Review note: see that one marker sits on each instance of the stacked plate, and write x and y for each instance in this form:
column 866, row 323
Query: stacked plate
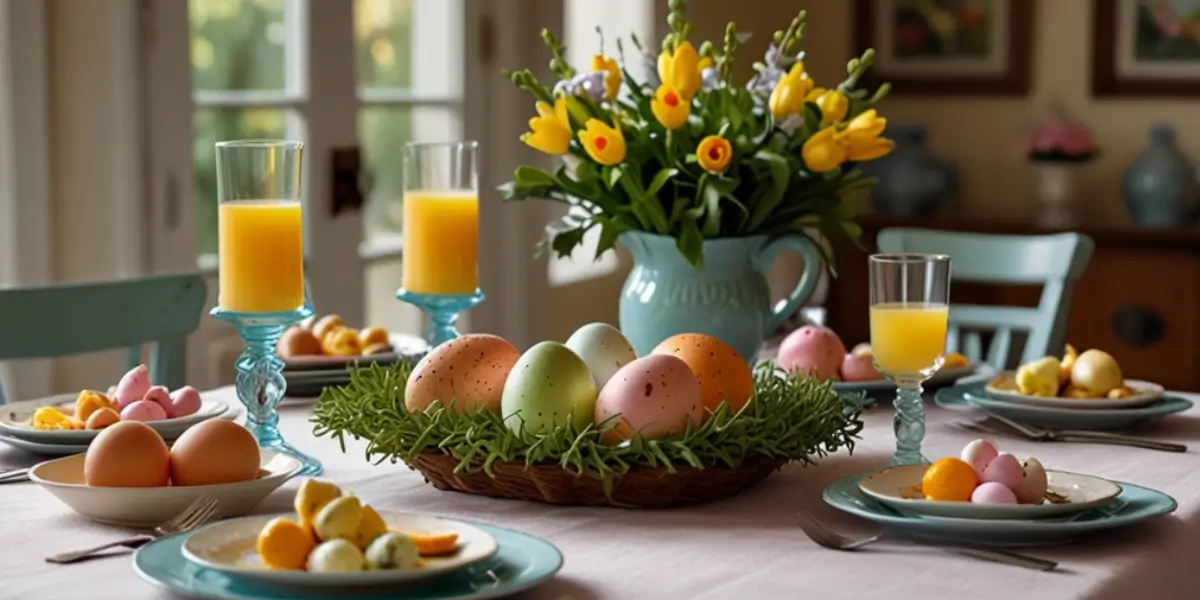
column 220, row 561
column 17, row 430
column 1084, row 505
column 944, row 377
column 1149, row 401
column 307, row 376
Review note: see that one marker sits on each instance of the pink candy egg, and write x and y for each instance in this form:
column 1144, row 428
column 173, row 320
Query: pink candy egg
column 184, row 401
column 133, row 386
column 859, row 367
column 1006, row 470
column 143, row 410
column 993, row 493
column 656, row 396
column 979, row 454
column 816, row 351
column 160, row 396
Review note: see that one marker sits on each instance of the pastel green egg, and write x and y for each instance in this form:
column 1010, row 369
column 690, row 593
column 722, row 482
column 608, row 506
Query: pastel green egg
column 549, row 386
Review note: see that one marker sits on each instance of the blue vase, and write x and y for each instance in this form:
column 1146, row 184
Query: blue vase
column 665, row 295
column 912, row 182
column 1160, row 187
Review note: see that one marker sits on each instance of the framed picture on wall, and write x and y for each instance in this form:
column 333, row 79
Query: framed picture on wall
column 1146, row 48
column 948, row 47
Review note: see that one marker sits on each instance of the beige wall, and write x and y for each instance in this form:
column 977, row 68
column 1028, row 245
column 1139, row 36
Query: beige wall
column 982, row 135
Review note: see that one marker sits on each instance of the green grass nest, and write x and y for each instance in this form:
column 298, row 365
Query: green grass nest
column 790, row 417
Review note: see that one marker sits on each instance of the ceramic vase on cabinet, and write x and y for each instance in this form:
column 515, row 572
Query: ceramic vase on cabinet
column 912, row 182
column 728, row 297
column 1160, row 187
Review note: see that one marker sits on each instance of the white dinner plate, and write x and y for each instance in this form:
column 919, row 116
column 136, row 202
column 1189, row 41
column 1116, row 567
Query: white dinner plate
column 229, row 547
column 1146, row 393
column 148, row 507
column 900, row 488
column 946, row 376
column 15, row 420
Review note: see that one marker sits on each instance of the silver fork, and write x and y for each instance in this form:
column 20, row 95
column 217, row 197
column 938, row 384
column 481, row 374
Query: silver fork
column 197, row 514
column 1039, row 434
column 826, row 537
column 14, row 476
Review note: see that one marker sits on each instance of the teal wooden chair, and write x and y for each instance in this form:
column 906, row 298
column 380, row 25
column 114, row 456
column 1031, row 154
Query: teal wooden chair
column 64, row 319
column 1054, row 261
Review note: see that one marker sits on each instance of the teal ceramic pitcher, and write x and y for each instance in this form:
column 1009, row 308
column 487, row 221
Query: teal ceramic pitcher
column 728, row 298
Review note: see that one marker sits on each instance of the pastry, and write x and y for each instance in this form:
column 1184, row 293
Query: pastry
column 342, row 341
column 325, row 325
column 298, row 342
column 372, row 336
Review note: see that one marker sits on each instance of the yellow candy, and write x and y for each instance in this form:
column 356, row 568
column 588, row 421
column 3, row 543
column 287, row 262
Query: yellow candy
column 284, row 544
column 51, row 419
column 90, row 402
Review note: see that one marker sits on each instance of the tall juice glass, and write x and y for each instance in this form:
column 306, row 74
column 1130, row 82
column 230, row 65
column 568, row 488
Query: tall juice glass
column 260, row 226
column 441, row 233
column 910, row 298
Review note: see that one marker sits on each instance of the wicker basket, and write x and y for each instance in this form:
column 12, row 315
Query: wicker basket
column 640, row 487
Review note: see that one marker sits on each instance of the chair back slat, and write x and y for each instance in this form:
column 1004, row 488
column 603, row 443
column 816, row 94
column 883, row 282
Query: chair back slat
column 1054, row 261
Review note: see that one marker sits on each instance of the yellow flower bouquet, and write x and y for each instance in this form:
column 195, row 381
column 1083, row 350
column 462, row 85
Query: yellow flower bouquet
column 692, row 154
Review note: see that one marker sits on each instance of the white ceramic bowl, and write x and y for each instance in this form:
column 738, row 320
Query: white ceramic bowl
column 15, row 420
column 229, row 547
column 1145, row 393
column 899, row 488
column 148, row 507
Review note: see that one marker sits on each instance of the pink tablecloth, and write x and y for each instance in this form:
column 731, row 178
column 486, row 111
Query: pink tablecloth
column 746, row 548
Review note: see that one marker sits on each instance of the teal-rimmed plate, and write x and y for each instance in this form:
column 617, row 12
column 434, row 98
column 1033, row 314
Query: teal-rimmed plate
column 973, row 395
column 1134, row 505
column 943, row 377
column 522, row 562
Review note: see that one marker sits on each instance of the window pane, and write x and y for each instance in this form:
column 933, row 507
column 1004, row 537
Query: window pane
column 213, row 125
column 384, row 130
column 410, row 44
column 239, row 45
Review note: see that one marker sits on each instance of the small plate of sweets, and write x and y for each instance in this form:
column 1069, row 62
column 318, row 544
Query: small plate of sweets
column 328, row 343
column 1088, row 381
column 984, row 483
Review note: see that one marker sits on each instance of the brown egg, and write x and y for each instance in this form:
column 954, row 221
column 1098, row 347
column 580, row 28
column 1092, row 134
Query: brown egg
column 372, row 336
column 127, row 454
column 723, row 373
column 102, row 417
column 342, row 341
column 470, row 370
column 298, row 342
column 212, row 452
column 326, row 324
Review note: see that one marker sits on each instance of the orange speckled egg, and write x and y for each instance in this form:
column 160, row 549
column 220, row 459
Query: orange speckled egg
column 722, row 372
column 470, row 370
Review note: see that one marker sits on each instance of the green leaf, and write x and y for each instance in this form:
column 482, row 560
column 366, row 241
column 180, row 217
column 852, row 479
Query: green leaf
column 780, row 173
column 648, row 209
column 690, row 243
column 712, row 212
column 659, row 181
column 565, row 241
column 527, row 176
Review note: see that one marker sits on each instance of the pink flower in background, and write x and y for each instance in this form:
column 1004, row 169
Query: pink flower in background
column 1060, row 140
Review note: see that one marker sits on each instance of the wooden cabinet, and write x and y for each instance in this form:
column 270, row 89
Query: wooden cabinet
column 1138, row 298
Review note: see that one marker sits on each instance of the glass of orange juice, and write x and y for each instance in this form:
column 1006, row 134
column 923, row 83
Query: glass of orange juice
column 441, row 233
column 910, row 306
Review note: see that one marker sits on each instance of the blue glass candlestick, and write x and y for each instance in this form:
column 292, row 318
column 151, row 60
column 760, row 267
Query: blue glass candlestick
column 260, row 382
column 443, row 311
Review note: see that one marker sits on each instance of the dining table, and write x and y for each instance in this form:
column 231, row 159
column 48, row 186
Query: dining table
column 746, row 547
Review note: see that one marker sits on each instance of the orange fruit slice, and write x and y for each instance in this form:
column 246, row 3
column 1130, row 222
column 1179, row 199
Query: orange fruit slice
column 434, row 544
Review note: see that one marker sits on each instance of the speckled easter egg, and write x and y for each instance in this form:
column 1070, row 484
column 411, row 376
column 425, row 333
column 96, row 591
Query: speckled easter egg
column 722, row 372
column 550, row 386
column 656, row 396
column 603, row 349
column 470, row 370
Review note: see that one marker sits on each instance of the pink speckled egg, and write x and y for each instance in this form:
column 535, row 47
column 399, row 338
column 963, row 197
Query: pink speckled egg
column 184, row 401
column 993, row 493
column 1006, row 470
column 979, row 454
column 143, row 410
column 133, row 386
column 159, row 395
column 469, row 370
column 859, row 367
column 814, row 350
column 656, row 396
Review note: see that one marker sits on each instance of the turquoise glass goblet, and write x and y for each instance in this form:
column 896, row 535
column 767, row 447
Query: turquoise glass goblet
column 443, row 310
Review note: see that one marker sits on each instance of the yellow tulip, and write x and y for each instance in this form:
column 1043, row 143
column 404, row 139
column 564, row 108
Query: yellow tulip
column 869, row 150
column 788, row 97
column 714, row 154
column 824, row 151
column 861, row 137
column 834, row 106
column 604, row 144
column 681, row 70
column 670, row 107
column 550, row 131
column 612, row 75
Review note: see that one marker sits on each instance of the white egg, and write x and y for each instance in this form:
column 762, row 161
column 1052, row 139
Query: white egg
column 392, row 551
column 1032, row 489
column 979, row 454
column 603, row 349
column 336, row 556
